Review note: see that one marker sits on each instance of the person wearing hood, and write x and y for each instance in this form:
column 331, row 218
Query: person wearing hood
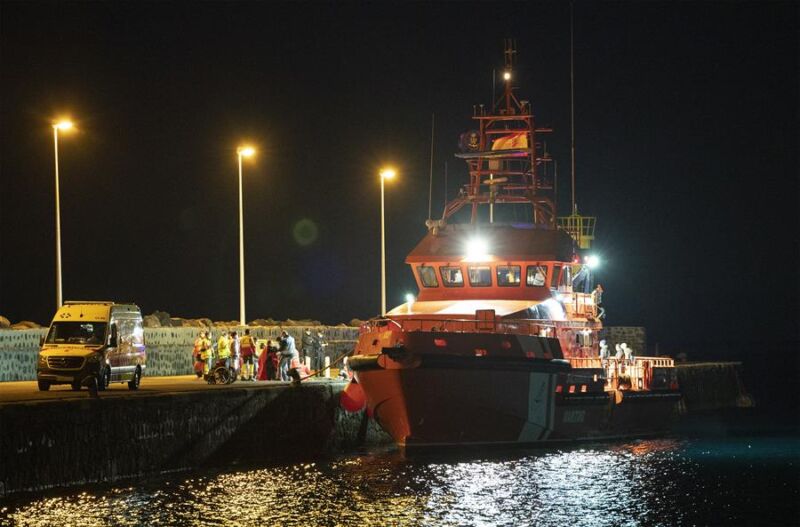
column 307, row 344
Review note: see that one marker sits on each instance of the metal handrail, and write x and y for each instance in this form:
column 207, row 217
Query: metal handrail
column 464, row 325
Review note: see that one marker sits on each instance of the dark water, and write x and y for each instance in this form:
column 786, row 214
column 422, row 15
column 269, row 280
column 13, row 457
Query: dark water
column 739, row 481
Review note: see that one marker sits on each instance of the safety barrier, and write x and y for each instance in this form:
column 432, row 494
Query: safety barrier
column 635, row 374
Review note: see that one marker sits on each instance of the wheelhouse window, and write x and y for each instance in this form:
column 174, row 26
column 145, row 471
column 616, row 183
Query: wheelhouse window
column 427, row 275
column 508, row 275
column 554, row 278
column 566, row 277
column 452, row 276
column 480, row 275
column 537, row 276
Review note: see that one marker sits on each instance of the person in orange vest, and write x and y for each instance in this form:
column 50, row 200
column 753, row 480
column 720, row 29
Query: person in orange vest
column 247, row 350
column 202, row 350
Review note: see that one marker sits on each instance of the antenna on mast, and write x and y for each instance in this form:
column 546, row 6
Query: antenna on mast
column 572, row 99
column 430, row 181
column 581, row 228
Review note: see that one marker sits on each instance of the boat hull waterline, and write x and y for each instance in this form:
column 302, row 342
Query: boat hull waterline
column 429, row 400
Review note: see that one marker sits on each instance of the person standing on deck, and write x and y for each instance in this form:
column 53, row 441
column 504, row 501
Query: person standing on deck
column 320, row 350
column 597, row 299
column 308, row 347
column 224, row 349
column 288, row 352
column 247, row 349
column 234, row 345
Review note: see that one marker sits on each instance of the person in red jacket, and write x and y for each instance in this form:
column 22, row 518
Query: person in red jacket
column 268, row 362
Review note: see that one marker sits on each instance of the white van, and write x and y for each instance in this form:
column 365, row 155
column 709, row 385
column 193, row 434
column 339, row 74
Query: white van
column 93, row 344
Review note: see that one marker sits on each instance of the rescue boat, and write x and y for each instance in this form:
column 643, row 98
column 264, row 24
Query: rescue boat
column 502, row 344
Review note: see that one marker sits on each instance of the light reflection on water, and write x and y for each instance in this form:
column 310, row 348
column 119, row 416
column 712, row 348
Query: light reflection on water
column 652, row 482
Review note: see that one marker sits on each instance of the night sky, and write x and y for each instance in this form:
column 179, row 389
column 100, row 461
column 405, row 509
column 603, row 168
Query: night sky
column 686, row 129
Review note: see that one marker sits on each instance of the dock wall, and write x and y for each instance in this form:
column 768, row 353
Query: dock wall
column 169, row 350
column 48, row 444
column 711, row 386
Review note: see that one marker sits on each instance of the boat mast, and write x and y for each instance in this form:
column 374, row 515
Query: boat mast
column 581, row 228
column 503, row 157
column 572, row 101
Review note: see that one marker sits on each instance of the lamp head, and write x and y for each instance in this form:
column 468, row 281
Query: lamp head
column 64, row 124
column 388, row 173
column 246, row 151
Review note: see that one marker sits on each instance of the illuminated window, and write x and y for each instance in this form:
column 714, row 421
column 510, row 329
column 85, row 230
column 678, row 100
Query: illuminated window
column 427, row 275
column 554, row 278
column 480, row 275
column 566, row 277
column 537, row 276
column 451, row 276
column 125, row 330
column 138, row 334
column 508, row 275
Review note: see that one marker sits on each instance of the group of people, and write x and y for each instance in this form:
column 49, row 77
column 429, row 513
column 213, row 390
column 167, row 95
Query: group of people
column 231, row 351
column 274, row 360
column 623, row 351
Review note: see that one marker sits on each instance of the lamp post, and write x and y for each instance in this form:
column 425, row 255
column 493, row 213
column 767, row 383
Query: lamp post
column 386, row 173
column 60, row 125
column 242, row 151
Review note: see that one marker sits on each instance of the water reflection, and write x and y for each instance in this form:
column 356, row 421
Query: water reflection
column 659, row 482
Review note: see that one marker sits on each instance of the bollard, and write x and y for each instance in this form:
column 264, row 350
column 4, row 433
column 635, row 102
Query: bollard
column 327, row 367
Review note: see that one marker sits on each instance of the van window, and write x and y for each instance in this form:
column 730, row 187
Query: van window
column 138, row 334
column 125, row 332
column 554, row 278
column 77, row 333
column 427, row 275
column 480, row 275
column 537, row 276
column 508, row 275
column 451, row 276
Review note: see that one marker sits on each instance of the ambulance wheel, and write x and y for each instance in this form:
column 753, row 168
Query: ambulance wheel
column 76, row 386
column 104, row 378
column 133, row 384
column 44, row 386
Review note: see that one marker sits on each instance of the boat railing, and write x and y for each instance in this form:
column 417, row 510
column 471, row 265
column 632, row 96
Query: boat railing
column 578, row 304
column 625, row 374
column 466, row 325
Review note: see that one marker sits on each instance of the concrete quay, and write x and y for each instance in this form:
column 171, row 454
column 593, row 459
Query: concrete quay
column 65, row 438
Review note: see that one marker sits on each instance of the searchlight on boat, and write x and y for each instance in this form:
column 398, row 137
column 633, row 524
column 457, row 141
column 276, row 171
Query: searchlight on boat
column 593, row 261
column 477, row 250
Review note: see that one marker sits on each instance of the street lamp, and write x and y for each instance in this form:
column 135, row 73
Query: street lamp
column 64, row 124
column 242, row 151
column 386, row 173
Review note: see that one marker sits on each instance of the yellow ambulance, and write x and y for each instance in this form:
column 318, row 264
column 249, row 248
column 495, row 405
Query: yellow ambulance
column 93, row 344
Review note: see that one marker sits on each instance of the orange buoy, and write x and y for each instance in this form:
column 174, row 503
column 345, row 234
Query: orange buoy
column 352, row 398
